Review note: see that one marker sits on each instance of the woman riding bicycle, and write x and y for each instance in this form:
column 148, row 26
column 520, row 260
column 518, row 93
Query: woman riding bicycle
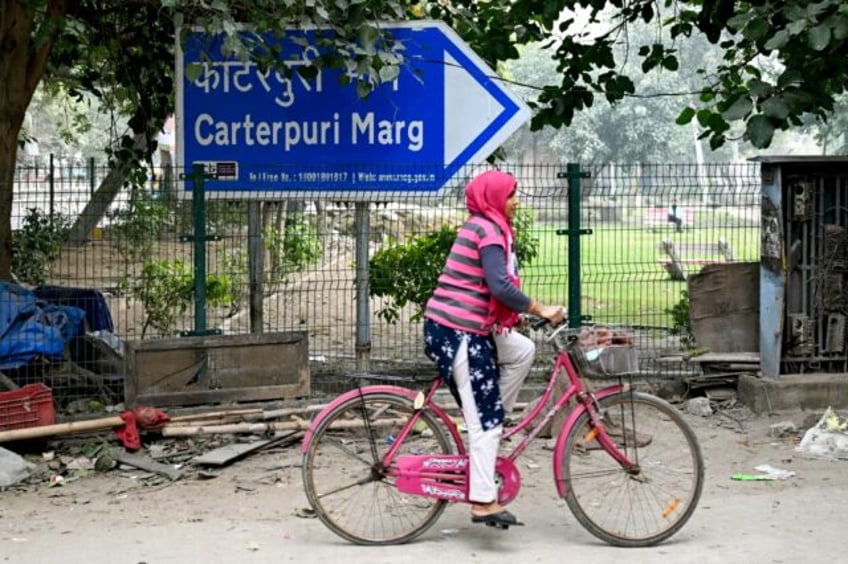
column 468, row 330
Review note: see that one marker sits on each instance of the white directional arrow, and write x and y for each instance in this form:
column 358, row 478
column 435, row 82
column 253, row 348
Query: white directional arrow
column 471, row 108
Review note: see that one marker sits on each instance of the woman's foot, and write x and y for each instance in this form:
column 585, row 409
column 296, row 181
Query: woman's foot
column 483, row 509
column 493, row 514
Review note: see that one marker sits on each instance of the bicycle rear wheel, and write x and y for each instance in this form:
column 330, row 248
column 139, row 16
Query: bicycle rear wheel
column 343, row 478
column 642, row 507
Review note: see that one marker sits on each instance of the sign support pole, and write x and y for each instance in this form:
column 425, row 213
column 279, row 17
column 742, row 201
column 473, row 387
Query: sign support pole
column 256, row 262
column 362, row 219
column 199, row 237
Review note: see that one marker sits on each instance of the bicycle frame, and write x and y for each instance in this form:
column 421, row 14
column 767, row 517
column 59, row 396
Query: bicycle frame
column 586, row 402
column 412, row 395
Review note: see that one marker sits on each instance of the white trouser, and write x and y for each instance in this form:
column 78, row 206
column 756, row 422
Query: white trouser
column 515, row 356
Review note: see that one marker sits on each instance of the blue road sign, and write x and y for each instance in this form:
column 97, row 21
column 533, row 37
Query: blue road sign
column 264, row 135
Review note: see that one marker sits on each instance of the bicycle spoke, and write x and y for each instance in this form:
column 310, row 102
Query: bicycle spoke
column 361, row 482
column 351, row 453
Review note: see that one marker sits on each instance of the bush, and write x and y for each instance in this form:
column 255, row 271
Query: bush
column 681, row 324
column 166, row 290
column 37, row 244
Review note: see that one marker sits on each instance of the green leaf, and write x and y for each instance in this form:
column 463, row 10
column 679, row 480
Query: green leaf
column 738, row 109
column 739, row 21
column 389, row 72
column 759, row 88
column 757, row 29
column 788, row 77
column 777, row 41
column 819, row 37
column 685, row 116
column 363, row 88
column 759, row 131
column 704, row 117
column 796, row 27
column 776, row 108
column 840, row 27
column 368, row 36
column 193, row 71
column 670, row 63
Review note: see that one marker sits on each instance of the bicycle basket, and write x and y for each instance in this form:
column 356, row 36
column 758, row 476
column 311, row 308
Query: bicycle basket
column 612, row 360
column 600, row 351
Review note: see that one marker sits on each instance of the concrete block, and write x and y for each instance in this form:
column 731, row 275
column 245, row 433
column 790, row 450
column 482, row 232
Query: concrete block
column 813, row 391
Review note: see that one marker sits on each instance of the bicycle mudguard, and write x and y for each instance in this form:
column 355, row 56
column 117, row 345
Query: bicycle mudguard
column 381, row 389
column 559, row 449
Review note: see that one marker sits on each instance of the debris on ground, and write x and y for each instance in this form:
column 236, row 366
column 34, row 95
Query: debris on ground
column 783, row 429
column 165, row 448
column 766, row 473
column 13, row 468
column 828, row 438
column 699, row 406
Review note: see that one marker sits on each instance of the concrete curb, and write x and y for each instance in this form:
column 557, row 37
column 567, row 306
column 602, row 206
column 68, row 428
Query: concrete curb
column 814, row 391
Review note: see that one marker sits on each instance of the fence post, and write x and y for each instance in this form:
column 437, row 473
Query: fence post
column 573, row 176
column 91, row 183
column 52, row 187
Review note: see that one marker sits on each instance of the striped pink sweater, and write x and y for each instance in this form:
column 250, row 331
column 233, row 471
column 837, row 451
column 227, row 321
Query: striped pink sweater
column 461, row 298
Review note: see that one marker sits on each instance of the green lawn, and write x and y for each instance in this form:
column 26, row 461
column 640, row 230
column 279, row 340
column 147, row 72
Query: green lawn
column 623, row 280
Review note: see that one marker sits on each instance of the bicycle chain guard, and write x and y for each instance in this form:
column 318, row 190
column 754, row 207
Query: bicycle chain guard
column 446, row 477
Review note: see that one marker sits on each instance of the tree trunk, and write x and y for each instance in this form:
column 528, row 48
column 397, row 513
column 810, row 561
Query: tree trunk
column 103, row 197
column 8, row 155
column 24, row 51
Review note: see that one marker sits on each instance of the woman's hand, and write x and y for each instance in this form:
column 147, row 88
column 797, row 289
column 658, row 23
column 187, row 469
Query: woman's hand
column 554, row 314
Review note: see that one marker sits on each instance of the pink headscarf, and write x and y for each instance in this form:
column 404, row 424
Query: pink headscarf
column 486, row 195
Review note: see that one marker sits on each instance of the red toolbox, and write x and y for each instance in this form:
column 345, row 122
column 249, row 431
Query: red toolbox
column 29, row 406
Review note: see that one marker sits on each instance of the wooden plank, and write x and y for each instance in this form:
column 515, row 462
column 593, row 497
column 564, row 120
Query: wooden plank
column 144, row 463
column 259, row 393
column 728, row 357
column 233, row 451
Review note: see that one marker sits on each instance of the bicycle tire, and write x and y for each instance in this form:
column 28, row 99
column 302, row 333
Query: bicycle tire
column 623, row 508
column 343, row 480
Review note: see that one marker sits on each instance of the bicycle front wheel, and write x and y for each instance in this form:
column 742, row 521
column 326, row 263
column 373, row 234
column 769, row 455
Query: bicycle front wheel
column 641, row 506
column 342, row 475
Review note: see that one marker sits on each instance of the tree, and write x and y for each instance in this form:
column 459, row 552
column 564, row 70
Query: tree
column 124, row 49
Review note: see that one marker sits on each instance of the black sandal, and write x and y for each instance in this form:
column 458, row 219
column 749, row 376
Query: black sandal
column 502, row 519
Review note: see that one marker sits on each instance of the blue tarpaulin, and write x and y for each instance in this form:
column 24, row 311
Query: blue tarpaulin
column 30, row 327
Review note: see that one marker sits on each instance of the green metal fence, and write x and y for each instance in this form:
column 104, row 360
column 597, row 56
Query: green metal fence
column 638, row 227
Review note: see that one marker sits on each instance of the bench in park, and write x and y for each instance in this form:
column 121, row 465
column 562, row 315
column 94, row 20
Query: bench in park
column 659, row 217
column 678, row 258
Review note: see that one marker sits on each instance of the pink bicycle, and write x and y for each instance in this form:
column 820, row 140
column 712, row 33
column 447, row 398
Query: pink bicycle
column 381, row 462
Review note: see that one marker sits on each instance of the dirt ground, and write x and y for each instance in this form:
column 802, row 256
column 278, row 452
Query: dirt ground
column 248, row 511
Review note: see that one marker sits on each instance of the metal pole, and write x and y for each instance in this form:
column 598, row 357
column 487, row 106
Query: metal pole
column 575, row 317
column 52, row 187
column 256, row 262
column 362, row 220
column 199, row 238
column 91, row 184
